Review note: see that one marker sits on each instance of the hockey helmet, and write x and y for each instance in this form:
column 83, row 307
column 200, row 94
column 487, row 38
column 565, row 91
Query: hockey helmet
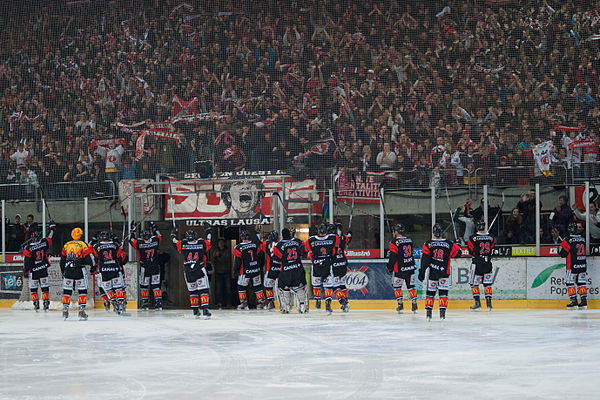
column 330, row 228
column 103, row 236
column 273, row 236
column 36, row 236
column 572, row 228
column 76, row 233
column 244, row 234
column 398, row 228
column 480, row 224
column 146, row 234
column 190, row 234
column 286, row 234
column 322, row 229
column 437, row 230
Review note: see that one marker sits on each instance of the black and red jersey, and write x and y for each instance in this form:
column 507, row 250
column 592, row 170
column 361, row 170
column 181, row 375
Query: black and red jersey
column 147, row 249
column 436, row 254
column 481, row 246
column 342, row 244
column 109, row 256
column 271, row 263
column 322, row 247
column 194, row 252
column 573, row 249
column 289, row 254
column 35, row 255
column 401, row 255
column 248, row 258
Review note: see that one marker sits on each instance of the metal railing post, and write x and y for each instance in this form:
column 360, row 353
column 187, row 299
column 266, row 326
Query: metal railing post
column 3, row 230
column 330, row 206
column 432, row 207
column 537, row 219
column 43, row 216
column 381, row 229
column 85, row 219
column 130, row 217
column 587, row 217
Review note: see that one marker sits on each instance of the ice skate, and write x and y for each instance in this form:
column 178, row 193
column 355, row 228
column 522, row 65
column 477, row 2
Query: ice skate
column 46, row 305
column 243, row 306
column 107, row 305
column 582, row 304
column 414, row 306
column 196, row 311
column 206, row 313
column 65, row 313
column 328, row 306
column 158, row 305
column 318, row 304
column 442, row 313
column 82, row 314
column 262, row 305
column 36, row 305
column 270, row 305
column 302, row 308
column 145, row 305
column 476, row 306
column 429, row 313
column 345, row 306
column 400, row 307
column 572, row 305
column 488, row 302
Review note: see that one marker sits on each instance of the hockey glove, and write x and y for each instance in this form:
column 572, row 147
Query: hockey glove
column 422, row 274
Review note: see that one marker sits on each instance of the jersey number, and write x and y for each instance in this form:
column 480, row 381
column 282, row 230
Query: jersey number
column 438, row 254
column 484, row 248
column 150, row 253
column 292, row 254
column 107, row 255
column 407, row 251
column 193, row 257
column 580, row 249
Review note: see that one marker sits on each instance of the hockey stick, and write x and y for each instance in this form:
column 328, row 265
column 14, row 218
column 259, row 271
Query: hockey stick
column 353, row 200
column 497, row 214
column 110, row 207
column 451, row 215
column 383, row 207
column 45, row 202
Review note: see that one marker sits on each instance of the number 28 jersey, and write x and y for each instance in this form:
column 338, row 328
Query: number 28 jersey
column 573, row 249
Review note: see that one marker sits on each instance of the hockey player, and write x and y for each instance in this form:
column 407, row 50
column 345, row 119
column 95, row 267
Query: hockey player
column 109, row 256
column 36, row 264
column 292, row 279
column 480, row 246
column 435, row 256
column 321, row 250
column 194, row 251
column 401, row 266
column 339, row 267
column 248, row 263
column 76, row 254
column 272, row 266
column 573, row 248
column 147, row 249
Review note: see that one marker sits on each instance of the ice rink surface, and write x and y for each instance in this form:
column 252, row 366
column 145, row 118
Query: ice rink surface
column 507, row 354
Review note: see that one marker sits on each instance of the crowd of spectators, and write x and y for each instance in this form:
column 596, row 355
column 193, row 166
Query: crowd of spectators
column 429, row 90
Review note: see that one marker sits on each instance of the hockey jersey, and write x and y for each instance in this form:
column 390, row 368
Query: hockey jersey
column 401, row 255
column 436, row 254
column 321, row 247
column 573, row 249
column 35, row 255
column 271, row 263
column 109, row 256
column 147, row 250
column 481, row 246
column 288, row 254
column 247, row 258
column 194, row 253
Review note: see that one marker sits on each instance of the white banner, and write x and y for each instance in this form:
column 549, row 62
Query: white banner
column 235, row 200
column 509, row 284
column 546, row 278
